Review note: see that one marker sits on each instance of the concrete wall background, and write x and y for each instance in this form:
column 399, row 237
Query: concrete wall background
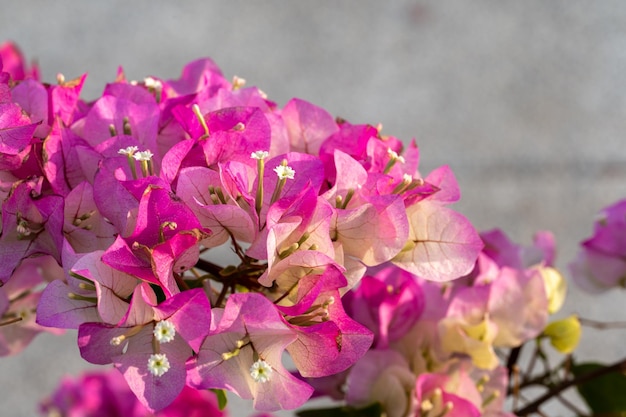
column 525, row 100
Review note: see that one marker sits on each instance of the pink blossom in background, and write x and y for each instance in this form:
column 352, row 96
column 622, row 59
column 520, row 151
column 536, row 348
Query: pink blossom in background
column 600, row 264
column 106, row 394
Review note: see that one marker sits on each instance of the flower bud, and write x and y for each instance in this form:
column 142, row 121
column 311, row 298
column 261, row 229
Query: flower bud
column 564, row 334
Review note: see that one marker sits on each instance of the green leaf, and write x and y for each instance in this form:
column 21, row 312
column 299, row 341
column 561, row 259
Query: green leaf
column 604, row 395
column 374, row 410
column 221, row 398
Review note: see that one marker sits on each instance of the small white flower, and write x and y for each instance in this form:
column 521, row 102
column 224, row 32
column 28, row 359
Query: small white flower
column 152, row 83
column 285, row 172
column 407, row 178
column 394, row 155
column 158, row 364
column 238, row 82
column 164, row 331
column 128, row 151
column 259, row 155
column 261, row 371
column 143, row 156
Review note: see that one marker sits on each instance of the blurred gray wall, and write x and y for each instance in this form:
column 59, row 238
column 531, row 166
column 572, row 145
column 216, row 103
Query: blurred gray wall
column 526, row 101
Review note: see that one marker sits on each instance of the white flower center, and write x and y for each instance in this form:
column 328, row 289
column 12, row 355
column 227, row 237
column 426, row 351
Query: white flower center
column 128, row 151
column 158, row 364
column 261, row 371
column 284, row 171
column 143, row 156
column 152, row 83
column 259, row 155
column 164, row 331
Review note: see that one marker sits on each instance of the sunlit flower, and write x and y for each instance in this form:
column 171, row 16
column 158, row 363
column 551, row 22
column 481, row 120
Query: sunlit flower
column 261, row 371
column 285, row 172
column 158, row 364
column 164, row 331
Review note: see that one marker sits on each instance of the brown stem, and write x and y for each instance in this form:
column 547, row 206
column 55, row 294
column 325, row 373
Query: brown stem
column 182, row 285
column 209, row 267
column 541, row 379
column 538, row 380
column 10, row 321
column 533, row 407
column 532, row 361
column 222, row 295
column 602, row 325
column 570, row 406
column 238, row 249
column 512, row 359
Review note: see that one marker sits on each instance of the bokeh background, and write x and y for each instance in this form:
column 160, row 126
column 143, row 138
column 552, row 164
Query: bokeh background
column 526, row 101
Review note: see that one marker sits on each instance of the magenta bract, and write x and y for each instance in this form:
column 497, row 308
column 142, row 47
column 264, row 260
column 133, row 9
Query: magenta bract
column 202, row 230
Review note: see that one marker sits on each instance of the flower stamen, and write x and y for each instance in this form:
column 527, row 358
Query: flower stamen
column 116, row 341
column 284, row 173
column 126, row 127
column 198, row 113
column 239, row 344
column 145, row 157
column 394, row 157
column 260, row 165
column 154, row 86
column 130, row 152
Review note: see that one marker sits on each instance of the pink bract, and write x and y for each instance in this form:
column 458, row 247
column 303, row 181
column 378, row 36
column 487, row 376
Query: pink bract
column 198, row 230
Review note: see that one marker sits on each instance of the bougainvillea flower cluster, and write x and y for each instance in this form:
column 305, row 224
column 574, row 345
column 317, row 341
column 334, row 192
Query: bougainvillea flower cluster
column 434, row 349
column 124, row 206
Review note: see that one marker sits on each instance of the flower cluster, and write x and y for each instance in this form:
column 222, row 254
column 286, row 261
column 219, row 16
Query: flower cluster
column 434, row 349
column 121, row 205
